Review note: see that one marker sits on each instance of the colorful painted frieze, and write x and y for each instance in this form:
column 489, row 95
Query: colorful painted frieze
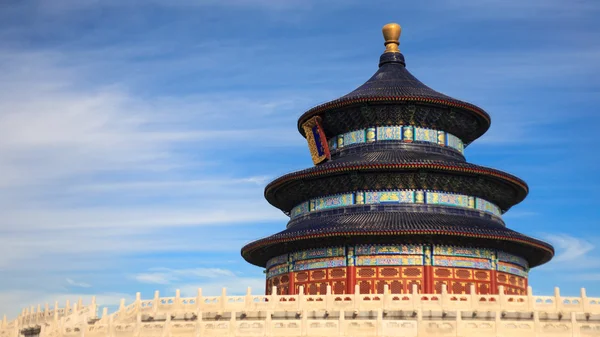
column 486, row 206
column 277, row 260
column 397, row 196
column 419, row 197
column 389, row 260
column 380, row 197
column 463, row 251
column 318, row 252
column 333, row 201
column 408, row 133
column 320, row 263
column 512, row 269
column 405, row 133
column 502, row 256
column 277, row 270
column 448, row 199
column 388, row 249
column 354, row 137
column 455, row 142
column 299, row 210
column 340, row 141
column 461, row 262
column 389, row 133
column 441, row 138
column 425, row 135
column 371, row 135
column 332, row 142
column 359, row 198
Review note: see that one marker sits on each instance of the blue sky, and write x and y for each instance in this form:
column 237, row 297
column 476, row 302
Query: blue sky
column 136, row 136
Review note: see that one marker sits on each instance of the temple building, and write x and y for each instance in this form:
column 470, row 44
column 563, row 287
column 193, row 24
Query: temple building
column 392, row 200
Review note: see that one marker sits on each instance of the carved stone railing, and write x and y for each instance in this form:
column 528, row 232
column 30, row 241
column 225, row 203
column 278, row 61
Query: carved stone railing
column 384, row 314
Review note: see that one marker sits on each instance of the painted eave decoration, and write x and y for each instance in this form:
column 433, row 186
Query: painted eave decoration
column 317, row 142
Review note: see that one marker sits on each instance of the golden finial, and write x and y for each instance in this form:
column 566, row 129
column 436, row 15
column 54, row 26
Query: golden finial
column 391, row 34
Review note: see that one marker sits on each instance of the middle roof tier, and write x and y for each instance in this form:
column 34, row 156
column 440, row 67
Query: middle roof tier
column 394, row 170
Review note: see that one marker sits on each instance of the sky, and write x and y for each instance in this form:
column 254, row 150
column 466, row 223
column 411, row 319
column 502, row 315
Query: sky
column 136, row 137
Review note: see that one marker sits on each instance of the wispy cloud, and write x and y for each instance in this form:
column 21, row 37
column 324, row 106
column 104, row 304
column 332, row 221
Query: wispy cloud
column 78, row 284
column 167, row 275
column 572, row 253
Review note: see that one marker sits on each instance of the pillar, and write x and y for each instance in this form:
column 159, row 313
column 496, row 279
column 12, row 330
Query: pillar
column 291, row 284
column 350, row 270
column 292, row 280
column 493, row 274
column 428, row 287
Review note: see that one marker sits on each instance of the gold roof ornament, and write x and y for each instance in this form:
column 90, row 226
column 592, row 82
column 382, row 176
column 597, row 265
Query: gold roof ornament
column 391, row 34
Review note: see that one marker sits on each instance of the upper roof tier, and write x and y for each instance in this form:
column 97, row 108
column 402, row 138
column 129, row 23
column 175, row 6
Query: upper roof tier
column 393, row 96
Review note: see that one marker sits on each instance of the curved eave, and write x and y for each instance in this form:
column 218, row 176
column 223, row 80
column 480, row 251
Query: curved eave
column 250, row 249
column 450, row 167
column 345, row 102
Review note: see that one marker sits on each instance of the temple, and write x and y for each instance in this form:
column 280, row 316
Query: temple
column 391, row 199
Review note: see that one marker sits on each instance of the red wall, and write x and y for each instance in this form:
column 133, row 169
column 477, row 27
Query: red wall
column 399, row 279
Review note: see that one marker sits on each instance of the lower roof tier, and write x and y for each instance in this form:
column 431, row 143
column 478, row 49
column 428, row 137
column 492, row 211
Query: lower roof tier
column 395, row 170
column 392, row 226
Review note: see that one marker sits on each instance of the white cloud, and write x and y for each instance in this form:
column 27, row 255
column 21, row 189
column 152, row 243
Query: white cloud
column 167, row 275
column 570, row 249
column 572, row 253
column 78, row 284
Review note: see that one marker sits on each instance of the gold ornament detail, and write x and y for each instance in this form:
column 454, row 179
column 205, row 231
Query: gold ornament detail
column 391, row 34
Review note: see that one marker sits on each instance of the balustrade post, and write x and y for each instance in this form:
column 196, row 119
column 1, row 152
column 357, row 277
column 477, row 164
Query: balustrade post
column 198, row 331
column 248, row 299
column 497, row 321
column 138, row 301
column 138, row 324
column 79, row 303
column 4, row 322
column 328, row 298
column 444, row 296
column 268, row 323
column 458, row 322
column 415, row 297
column 55, row 312
column 574, row 325
column 584, row 300
column 122, row 304
column 167, row 326
column 223, row 298
column 303, row 323
column 111, row 328
column 341, row 323
column 501, row 297
column 473, row 296
column 232, row 323
column 386, row 295
column 557, row 300
column 199, row 303
column 379, row 326
column 177, row 302
column 273, row 297
column 155, row 303
column 301, row 297
column 356, row 295
column 530, row 299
